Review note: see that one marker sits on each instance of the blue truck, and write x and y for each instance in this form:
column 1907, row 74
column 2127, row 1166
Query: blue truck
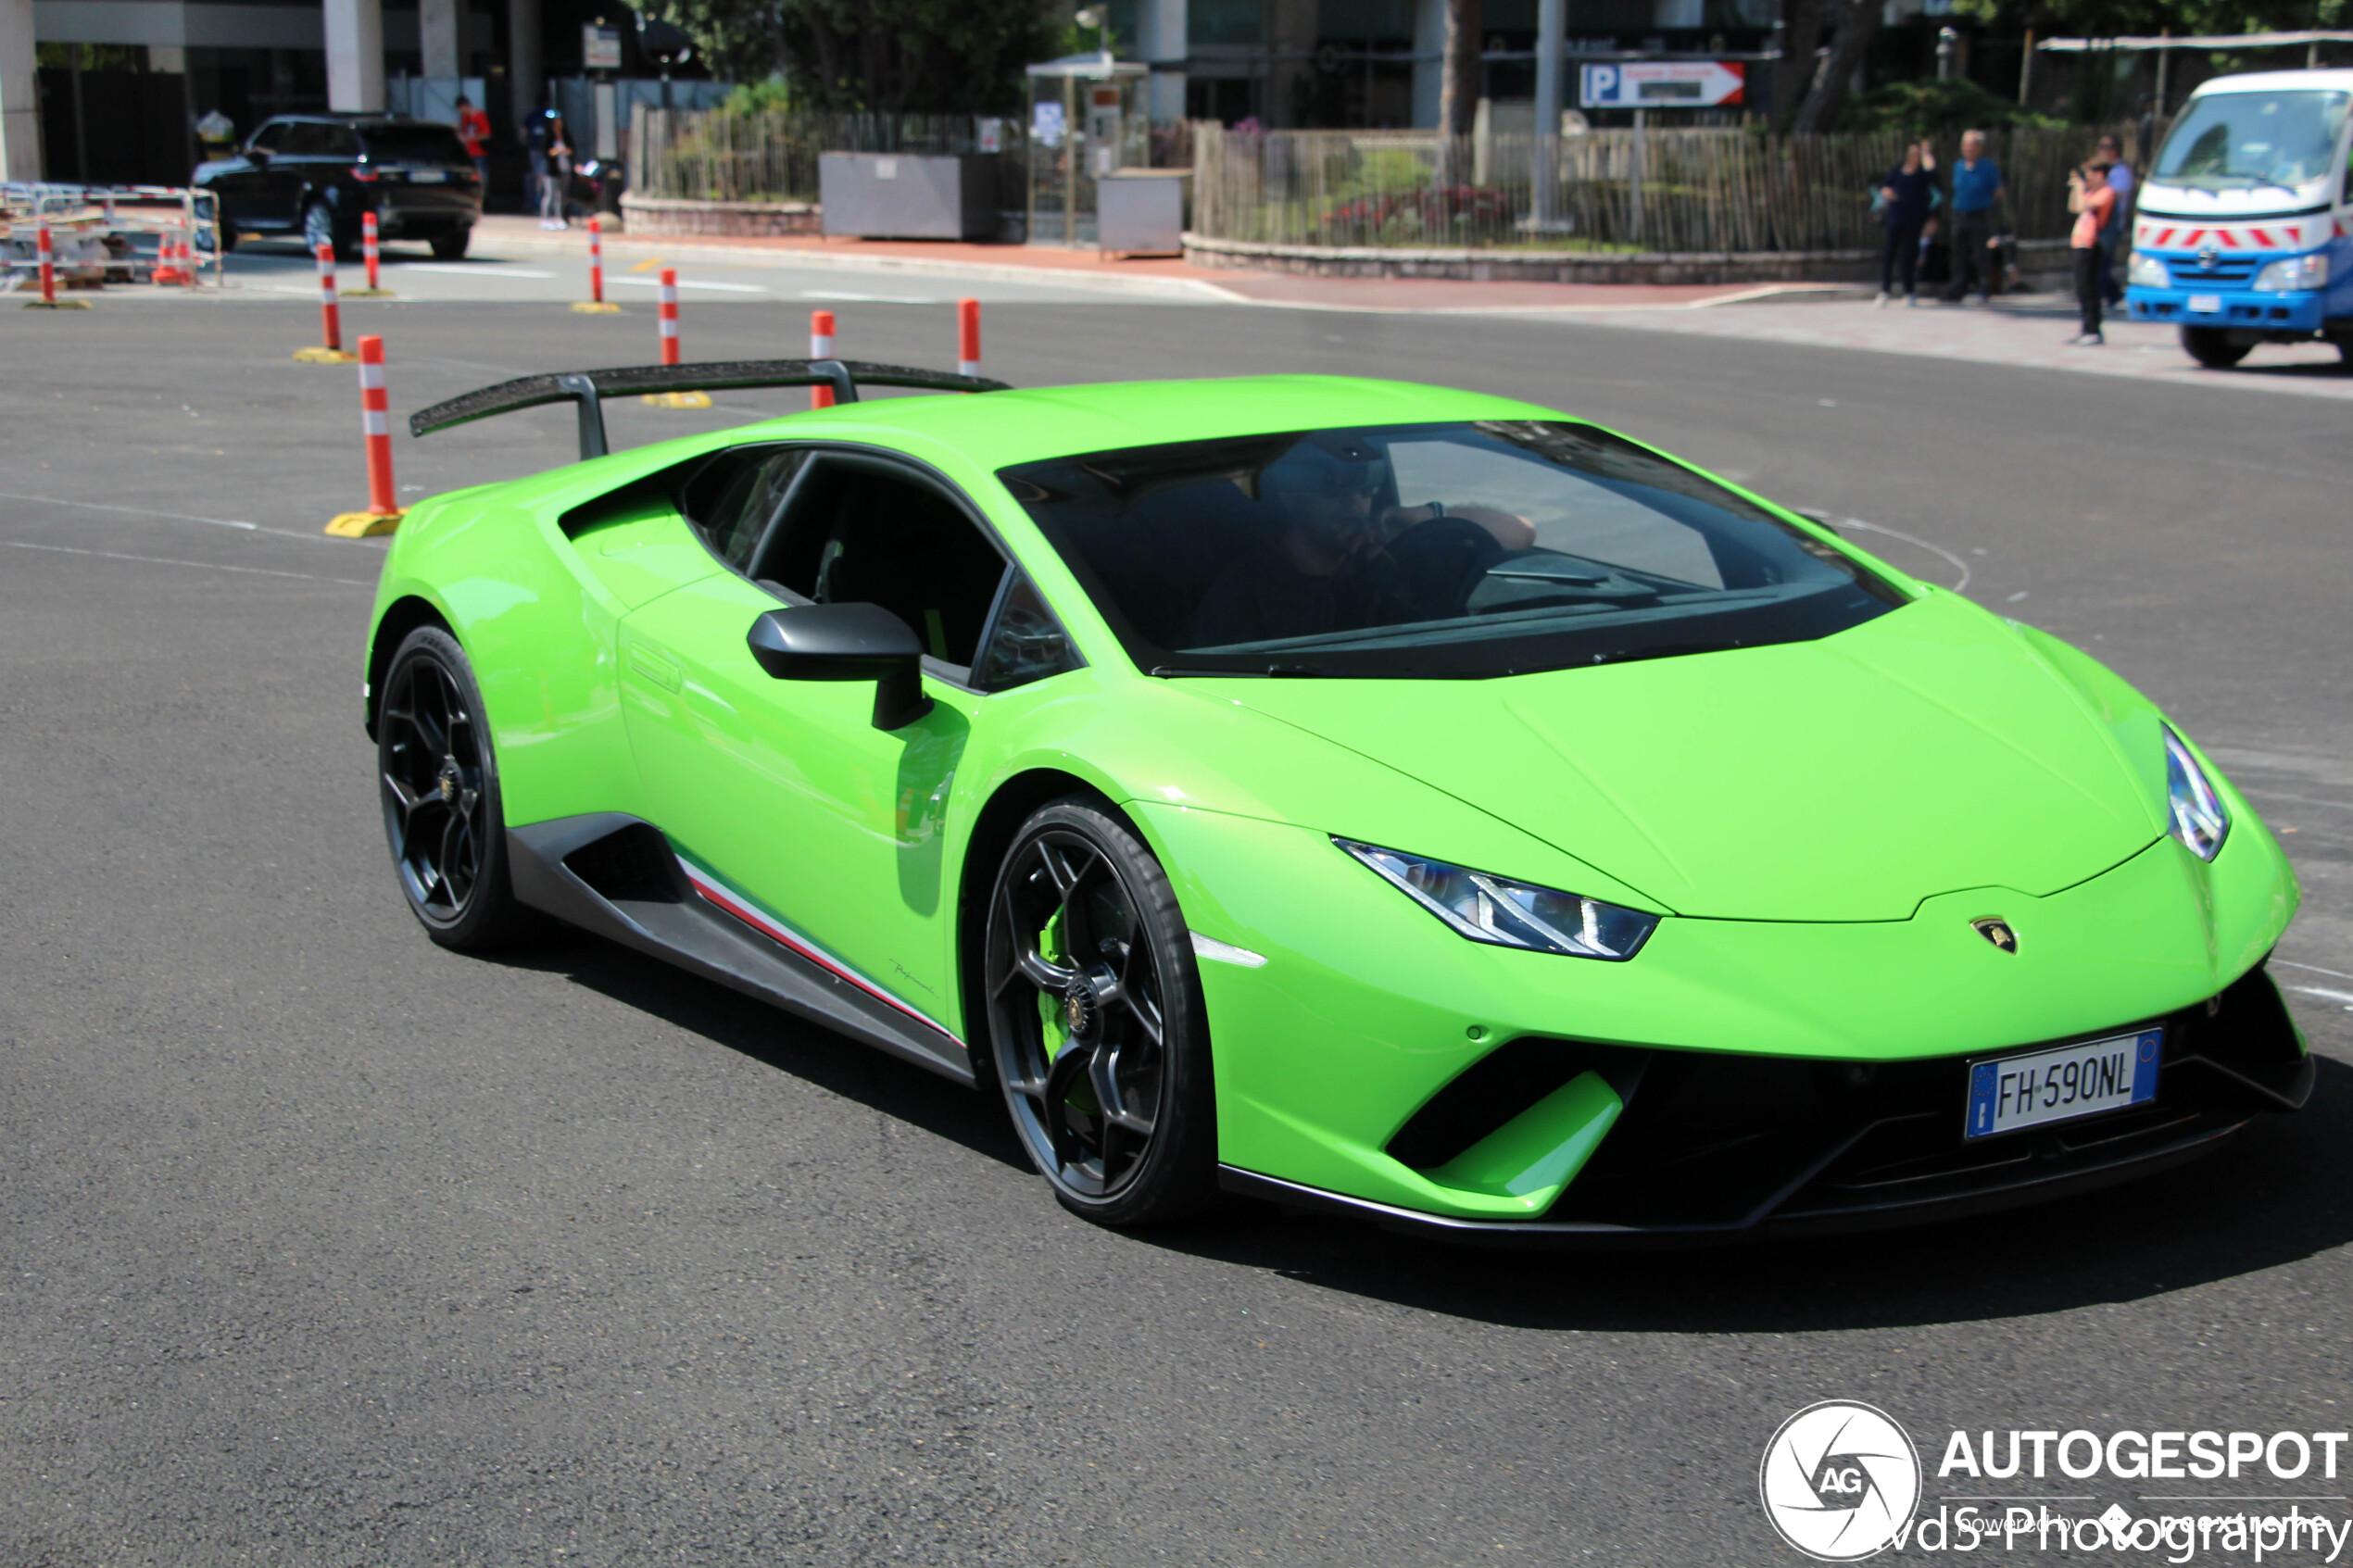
column 2241, row 233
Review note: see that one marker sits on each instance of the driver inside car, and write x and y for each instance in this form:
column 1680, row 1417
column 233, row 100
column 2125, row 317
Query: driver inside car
column 1344, row 556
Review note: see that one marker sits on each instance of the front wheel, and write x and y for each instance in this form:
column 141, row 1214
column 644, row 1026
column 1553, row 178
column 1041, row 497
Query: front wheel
column 2213, row 347
column 439, row 783
column 319, row 229
column 450, row 246
column 1096, row 1022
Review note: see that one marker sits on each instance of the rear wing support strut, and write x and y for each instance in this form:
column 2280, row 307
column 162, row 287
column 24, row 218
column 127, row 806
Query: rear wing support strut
column 587, row 389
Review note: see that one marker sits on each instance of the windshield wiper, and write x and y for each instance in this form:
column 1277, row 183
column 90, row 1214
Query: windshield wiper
column 1522, row 572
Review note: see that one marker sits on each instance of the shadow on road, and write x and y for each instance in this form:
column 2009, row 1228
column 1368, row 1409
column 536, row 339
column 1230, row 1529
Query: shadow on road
column 2282, row 1192
column 775, row 1039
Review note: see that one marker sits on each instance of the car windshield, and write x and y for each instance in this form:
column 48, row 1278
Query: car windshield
column 415, row 144
column 2234, row 140
column 1495, row 547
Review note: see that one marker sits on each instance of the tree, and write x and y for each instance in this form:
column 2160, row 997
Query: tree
column 897, row 56
column 1793, row 73
column 1460, row 78
column 1857, row 25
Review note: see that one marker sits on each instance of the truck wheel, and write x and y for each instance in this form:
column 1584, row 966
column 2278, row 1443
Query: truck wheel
column 2212, row 348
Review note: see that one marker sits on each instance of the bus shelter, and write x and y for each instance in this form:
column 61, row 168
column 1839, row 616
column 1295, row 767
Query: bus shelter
column 1088, row 119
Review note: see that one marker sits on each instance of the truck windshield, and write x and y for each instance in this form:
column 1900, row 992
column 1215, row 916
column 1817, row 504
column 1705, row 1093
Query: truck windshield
column 1447, row 551
column 2234, row 140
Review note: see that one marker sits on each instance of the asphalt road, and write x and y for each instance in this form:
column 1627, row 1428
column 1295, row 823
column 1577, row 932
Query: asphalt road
column 324, row 1245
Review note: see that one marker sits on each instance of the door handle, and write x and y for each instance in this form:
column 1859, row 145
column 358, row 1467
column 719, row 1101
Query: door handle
column 650, row 666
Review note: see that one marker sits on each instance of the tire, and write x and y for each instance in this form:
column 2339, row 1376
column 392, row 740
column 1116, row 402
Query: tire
column 438, row 780
column 2212, row 348
column 1068, row 1038
column 450, row 246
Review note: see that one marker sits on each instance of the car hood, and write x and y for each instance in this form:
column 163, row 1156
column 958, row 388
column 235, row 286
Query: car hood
column 1927, row 751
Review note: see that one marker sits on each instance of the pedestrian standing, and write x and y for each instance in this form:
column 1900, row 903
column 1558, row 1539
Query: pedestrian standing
column 474, row 129
column 1977, row 185
column 2091, row 199
column 1903, row 208
column 558, row 181
column 534, row 141
column 2120, row 180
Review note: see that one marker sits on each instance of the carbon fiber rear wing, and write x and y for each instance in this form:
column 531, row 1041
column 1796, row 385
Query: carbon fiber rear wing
column 588, row 388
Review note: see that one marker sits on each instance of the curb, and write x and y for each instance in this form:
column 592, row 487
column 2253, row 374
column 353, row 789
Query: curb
column 916, row 266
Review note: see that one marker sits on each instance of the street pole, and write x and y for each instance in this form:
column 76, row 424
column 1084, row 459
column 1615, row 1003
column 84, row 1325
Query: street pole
column 1640, row 117
column 1551, row 27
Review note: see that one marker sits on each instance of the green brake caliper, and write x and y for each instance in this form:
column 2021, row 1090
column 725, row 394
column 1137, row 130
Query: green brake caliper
column 1053, row 1031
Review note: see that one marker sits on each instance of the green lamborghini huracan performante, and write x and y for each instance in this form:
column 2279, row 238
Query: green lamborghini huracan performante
column 1361, row 796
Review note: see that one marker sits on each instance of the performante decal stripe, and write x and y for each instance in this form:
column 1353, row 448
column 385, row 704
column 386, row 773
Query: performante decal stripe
column 774, row 930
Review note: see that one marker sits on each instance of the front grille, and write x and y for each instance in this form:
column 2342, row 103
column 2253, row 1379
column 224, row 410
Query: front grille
column 2226, row 272
column 1710, row 1140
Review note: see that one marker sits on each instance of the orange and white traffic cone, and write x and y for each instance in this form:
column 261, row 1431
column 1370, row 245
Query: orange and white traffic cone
column 331, row 351
column 968, row 337
column 372, row 255
column 668, row 325
column 48, row 261
column 168, row 270
column 821, row 347
column 384, row 511
column 594, row 304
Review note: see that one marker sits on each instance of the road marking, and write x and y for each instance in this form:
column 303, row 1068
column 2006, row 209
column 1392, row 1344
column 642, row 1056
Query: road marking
column 1960, row 587
column 199, row 565
column 2331, row 974
column 239, row 524
column 870, row 298
column 647, row 265
column 2345, row 997
column 694, row 284
column 474, row 271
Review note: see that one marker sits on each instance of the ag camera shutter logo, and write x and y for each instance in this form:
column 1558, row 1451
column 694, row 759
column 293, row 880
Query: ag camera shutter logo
column 1839, row 1481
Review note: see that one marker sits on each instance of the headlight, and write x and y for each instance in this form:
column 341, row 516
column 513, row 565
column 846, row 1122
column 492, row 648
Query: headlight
column 2147, row 271
column 2199, row 821
column 1510, row 914
column 2295, row 272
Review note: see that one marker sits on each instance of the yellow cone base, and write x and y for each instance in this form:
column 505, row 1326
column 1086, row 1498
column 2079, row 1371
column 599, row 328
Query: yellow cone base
column 364, row 525
column 325, row 357
column 368, row 293
column 57, row 304
column 677, row 400
column 594, row 307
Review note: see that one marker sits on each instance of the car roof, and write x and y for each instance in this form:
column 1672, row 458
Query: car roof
column 356, row 120
column 997, row 429
column 2273, row 80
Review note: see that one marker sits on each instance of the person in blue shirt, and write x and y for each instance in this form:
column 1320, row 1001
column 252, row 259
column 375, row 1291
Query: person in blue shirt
column 1905, row 199
column 2119, row 219
column 1977, row 185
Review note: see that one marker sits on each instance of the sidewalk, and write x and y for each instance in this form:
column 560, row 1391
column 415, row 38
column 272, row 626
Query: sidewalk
column 1164, row 277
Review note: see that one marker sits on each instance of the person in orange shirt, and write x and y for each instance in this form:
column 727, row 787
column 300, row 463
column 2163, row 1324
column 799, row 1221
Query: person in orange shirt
column 2089, row 197
column 474, row 129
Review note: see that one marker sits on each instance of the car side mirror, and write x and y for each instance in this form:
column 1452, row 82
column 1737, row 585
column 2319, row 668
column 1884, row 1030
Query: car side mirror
column 256, row 156
column 853, row 642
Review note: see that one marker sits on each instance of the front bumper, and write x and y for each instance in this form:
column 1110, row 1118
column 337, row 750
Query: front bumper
column 1368, row 1019
column 1712, row 1148
column 2242, row 309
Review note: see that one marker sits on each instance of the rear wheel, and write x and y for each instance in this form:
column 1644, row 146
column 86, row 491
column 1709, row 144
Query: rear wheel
column 439, row 783
column 319, row 229
column 1096, row 1022
column 450, row 246
column 2213, row 347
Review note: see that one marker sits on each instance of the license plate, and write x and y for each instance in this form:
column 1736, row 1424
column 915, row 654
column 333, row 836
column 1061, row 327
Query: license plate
column 435, row 176
column 2205, row 304
column 2062, row 1083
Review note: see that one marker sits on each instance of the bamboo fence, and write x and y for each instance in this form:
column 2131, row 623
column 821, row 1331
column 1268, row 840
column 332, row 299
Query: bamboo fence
column 1711, row 190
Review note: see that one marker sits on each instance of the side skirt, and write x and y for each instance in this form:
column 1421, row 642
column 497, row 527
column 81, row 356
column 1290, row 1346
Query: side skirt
column 616, row 876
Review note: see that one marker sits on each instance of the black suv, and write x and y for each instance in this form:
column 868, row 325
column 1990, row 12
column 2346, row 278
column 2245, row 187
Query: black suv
column 312, row 175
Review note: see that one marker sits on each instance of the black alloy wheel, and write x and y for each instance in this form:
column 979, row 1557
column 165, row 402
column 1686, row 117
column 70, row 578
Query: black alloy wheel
column 439, row 784
column 1095, row 1020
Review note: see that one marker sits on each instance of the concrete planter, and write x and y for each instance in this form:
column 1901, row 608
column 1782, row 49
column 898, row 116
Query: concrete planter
column 677, row 215
column 1562, row 266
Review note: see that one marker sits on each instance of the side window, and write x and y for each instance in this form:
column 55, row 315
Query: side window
column 856, row 536
column 269, row 139
column 732, row 498
column 340, row 141
column 304, row 139
column 1026, row 642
